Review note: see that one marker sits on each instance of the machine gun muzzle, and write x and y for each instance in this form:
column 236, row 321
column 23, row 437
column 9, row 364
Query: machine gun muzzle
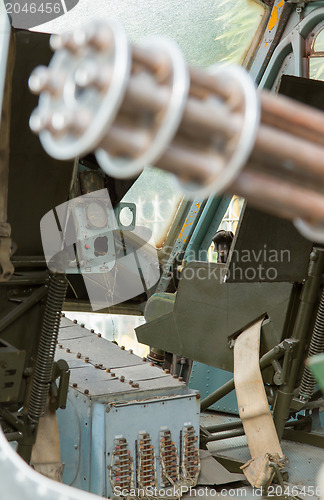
column 141, row 105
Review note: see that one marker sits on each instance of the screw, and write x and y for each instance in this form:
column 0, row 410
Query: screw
column 74, row 384
column 86, row 359
column 75, row 321
column 78, row 355
column 86, row 391
column 122, row 378
column 68, row 350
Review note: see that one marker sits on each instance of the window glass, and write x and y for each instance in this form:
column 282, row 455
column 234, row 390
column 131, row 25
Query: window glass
column 206, row 30
column 316, row 68
column 157, row 202
column 316, row 61
column 319, row 42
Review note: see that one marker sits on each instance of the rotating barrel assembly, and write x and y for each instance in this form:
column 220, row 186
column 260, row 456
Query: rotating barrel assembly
column 142, row 105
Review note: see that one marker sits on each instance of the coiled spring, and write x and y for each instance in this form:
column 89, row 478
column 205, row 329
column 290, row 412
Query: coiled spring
column 47, row 346
column 316, row 347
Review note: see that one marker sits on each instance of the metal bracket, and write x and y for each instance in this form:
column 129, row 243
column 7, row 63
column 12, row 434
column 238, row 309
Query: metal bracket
column 6, row 267
column 58, row 395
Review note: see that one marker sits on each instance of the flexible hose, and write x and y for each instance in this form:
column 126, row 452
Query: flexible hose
column 316, row 346
column 47, row 346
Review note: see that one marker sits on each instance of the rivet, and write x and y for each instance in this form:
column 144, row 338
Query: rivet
column 68, row 350
column 86, row 391
column 86, row 359
column 82, row 325
column 122, row 348
column 74, row 384
column 63, row 315
column 151, row 364
column 175, row 376
column 100, row 365
column 78, row 355
column 112, row 374
column 122, row 378
column 180, row 379
column 130, row 351
column 130, row 382
column 75, row 321
column 166, row 371
column 108, row 370
column 92, row 330
column 144, row 359
column 136, row 385
column 198, row 396
column 60, row 346
column 99, row 335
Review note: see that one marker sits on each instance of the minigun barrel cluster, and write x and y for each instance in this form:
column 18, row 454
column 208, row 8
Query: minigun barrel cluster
column 142, row 105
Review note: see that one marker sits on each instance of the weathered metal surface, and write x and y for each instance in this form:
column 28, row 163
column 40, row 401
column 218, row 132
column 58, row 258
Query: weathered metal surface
column 37, row 183
column 213, row 473
column 264, row 242
column 223, row 311
column 207, row 379
column 100, row 351
column 105, row 405
column 101, row 368
column 12, row 362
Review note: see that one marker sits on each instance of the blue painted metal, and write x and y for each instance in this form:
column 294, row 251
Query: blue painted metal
column 75, row 425
column 207, row 379
column 91, row 426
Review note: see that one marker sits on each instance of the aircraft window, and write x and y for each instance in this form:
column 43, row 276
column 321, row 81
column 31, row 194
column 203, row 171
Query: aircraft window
column 237, row 24
column 318, row 45
column 156, row 201
column 316, row 61
column 207, row 31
